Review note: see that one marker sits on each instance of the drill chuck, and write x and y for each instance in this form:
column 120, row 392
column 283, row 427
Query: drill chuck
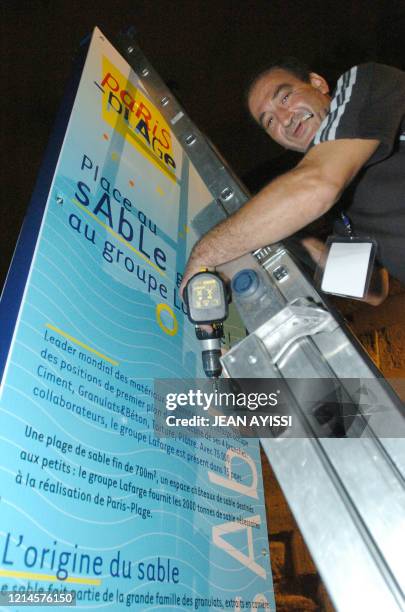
column 211, row 351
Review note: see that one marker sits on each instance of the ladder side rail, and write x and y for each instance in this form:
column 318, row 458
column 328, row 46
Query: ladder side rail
column 327, row 474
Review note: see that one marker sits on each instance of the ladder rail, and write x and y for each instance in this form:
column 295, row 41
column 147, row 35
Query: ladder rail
column 348, row 538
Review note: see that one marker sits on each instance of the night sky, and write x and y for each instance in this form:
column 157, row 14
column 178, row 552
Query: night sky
column 205, row 50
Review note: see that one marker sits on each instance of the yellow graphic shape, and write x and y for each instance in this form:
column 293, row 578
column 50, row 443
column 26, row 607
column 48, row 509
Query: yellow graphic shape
column 160, row 191
column 82, row 344
column 167, row 330
column 115, row 156
column 118, row 237
column 49, row 577
column 124, row 105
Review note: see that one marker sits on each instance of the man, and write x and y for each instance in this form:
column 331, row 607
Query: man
column 351, row 142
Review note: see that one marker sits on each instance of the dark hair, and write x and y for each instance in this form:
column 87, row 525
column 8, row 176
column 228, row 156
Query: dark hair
column 291, row 64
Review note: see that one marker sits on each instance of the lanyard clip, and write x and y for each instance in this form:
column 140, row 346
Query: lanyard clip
column 347, row 224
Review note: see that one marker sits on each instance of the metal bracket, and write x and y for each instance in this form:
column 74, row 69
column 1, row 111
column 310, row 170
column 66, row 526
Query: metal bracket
column 300, row 318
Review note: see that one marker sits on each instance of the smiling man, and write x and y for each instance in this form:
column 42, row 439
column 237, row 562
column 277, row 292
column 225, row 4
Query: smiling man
column 353, row 142
column 289, row 109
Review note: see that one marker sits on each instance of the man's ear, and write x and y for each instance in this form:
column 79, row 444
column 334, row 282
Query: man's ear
column 318, row 82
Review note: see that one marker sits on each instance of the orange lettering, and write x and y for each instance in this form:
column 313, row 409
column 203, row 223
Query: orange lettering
column 145, row 112
column 106, row 81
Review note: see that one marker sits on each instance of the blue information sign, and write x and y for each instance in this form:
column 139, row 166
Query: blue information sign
column 92, row 501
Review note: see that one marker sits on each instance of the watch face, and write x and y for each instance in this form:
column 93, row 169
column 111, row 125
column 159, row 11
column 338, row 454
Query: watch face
column 206, row 294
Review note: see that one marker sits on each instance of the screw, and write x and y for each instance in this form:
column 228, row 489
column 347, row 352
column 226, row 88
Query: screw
column 130, row 49
column 264, row 552
column 190, row 140
column 59, row 200
column 226, row 194
column 231, row 358
column 252, row 359
column 145, row 72
column 165, row 101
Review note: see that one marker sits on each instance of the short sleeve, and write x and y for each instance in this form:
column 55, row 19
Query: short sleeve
column 368, row 103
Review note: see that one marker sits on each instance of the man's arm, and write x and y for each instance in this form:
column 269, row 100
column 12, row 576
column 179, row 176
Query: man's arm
column 285, row 206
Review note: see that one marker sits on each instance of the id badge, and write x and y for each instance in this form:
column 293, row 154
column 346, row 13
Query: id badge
column 348, row 266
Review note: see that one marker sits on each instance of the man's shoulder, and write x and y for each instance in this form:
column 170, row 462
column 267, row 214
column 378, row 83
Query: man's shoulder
column 354, row 76
column 368, row 71
column 363, row 95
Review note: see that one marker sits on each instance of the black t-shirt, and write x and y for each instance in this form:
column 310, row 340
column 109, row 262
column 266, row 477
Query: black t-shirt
column 369, row 103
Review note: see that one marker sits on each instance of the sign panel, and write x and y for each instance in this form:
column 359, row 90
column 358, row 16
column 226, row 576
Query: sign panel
column 92, row 501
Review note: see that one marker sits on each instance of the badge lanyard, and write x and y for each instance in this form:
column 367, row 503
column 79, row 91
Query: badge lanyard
column 349, row 263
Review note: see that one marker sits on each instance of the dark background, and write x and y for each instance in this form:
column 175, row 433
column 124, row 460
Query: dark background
column 206, row 51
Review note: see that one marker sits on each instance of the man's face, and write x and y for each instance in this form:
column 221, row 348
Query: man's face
column 288, row 109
